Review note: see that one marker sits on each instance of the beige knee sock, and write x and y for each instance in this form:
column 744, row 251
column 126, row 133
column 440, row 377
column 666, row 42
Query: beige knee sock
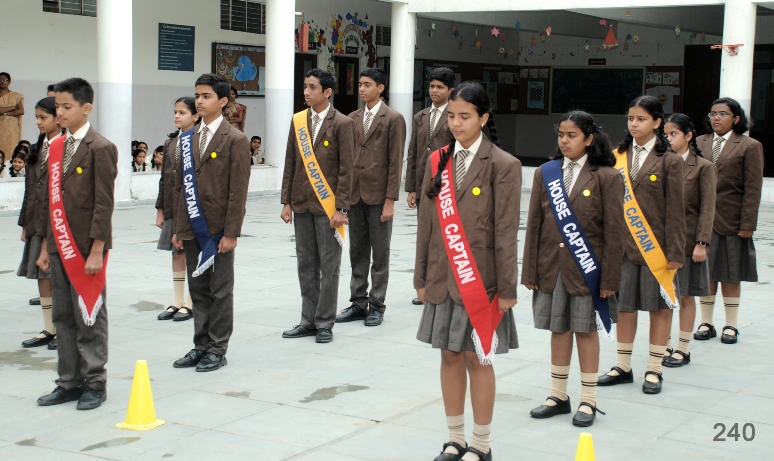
column 732, row 313
column 559, row 374
column 456, row 426
column 178, row 279
column 188, row 303
column 656, row 355
column 480, row 441
column 685, row 341
column 46, row 304
column 624, row 358
column 707, row 304
column 588, row 391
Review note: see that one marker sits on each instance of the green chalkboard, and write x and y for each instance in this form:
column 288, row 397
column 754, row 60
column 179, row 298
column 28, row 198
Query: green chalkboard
column 606, row 91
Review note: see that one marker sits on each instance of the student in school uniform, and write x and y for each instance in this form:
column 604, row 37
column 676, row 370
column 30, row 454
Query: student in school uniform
column 466, row 265
column 429, row 132
column 33, row 217
column 572, row 257
column 739, row 160
column 378, row 164
column 654, row 239
column 316, row 196
column 210, row 199
column 699, row 194
column 185, row 119
column 82, row 173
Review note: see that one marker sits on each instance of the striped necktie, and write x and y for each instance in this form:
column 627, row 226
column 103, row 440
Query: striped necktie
column 367, row 123
column 568, row 178
column 716, row 148
column 202, row 141
column 460, row 171
column 177, row 153
column 44, row 156
column 315, row 122
column 636, row 162
column 433, row 119
column 69, row 152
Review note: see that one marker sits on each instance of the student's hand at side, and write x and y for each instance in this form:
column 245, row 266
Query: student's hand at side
column 745, row 234
column 24, row 236
column 388, row 210
column 287, row 214
column 606, row 293
column 227, row 244
column 93, row 263
column 338, row 220
column 531, row 287
column 411, row 200
column 43, row 261
column 505, row 304
column 674, row 265
column 699, row 253
column 176, row 242
column 159, row 218
column 421, row 295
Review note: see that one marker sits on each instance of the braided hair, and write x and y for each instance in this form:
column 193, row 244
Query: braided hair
column 684, row 124
column 653, row 107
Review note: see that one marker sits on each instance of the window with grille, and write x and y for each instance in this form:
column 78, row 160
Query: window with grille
column 79, row 7
column 383, row 35
column 243, row 16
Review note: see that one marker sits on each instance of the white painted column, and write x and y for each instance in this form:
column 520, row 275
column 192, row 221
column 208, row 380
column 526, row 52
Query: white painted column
column 114, row 87
column 280, row 59
column 736, row 72
column 403, row 36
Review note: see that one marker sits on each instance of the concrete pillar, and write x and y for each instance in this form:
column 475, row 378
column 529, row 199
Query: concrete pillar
column 280, row 59
column 736, row 72
column 404, row 26
column 114, row 86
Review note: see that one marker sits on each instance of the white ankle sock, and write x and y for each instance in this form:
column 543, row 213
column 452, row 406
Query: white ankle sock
column 456, row 425
column 480, row 441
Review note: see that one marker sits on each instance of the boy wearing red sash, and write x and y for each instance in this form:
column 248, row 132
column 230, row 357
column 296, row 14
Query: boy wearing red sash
column 82, row 172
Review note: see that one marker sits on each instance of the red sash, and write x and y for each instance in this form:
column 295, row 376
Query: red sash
column 484, row 315
column 88, row 287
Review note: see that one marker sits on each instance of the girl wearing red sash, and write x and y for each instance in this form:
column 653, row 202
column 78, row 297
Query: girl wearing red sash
column 561, row 300
column 486, row 184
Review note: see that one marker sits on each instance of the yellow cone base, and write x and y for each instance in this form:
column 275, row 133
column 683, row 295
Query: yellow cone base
column 141, row 413
column 141, row 427
column 585, row 448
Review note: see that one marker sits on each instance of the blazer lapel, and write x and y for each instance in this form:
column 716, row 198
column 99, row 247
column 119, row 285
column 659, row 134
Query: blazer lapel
column 440, row 123
column 650, row 160
column 584, row 177
column 214, row 143
column 376, row 121
column 359, row 117
column 475, row 167
column 83, row 147
column 730, row 146
column 324, row 127
column 690, row 163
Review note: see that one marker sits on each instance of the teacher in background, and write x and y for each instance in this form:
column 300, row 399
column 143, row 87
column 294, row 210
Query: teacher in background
column 11, row 111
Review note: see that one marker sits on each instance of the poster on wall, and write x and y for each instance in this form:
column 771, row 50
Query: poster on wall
column 491, row 91
column 243, row 66
column 671, row 78
column 536, row 94
column 176, row 47
column 653, row 78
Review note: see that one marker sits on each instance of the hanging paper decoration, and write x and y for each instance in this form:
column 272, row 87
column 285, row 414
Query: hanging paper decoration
column 603, row 22
column 610, row 40
column 635, row 39
column 432, row 26
column 501, row 50
column 503, row 37
column 454, row 30
column 586, row 47
column 533, row 40
column 495, row 31
column 553, row 55
column 548, row 32
column 478, row 45
column 677, row 32
column 629, row 36
column 703, row 38
column 628, row 13
column 518, row 27
column 529, row 50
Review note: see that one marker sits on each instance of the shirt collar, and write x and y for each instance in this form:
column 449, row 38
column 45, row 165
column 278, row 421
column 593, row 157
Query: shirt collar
column 212, row 127
column 473, row 147
column 580, row 162
column 375, row 108
column 648, row 145
column 685, row 155
column 442, row 108
column 52, row 139
column 322, row 114
column 727, row 136
column 81, row 133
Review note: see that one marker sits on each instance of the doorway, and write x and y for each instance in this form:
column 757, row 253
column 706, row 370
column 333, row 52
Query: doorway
column 346, row 97
column 304, row 63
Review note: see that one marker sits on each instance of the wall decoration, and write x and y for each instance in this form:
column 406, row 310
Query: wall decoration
column 536, row 92
column 636, row 39
column 479, row 45
column 367, row 39
column 529, row 50
column 491, row 90
column 495, row 31
column 503, row 37
column 603, row 22
column 677, row 32
column 523, row 73
column 586, row 47
column 176, row 47
column 665, row 95
column 533, row 73
column 653, row 78
column 242, row 66
column 671, row 78
column 610, row 40
column 548, row 32
column 533, row 41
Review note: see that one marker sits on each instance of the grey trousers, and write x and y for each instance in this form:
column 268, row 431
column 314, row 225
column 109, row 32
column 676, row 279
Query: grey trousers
column 212, row 294
column 82, row 350
column 319, row 260
column 368, row 234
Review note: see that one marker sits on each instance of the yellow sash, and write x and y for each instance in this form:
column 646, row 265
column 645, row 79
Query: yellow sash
column 313, row 171
column 644, row 238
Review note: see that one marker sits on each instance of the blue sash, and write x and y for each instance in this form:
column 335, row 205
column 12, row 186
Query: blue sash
column 574, row 237
column 207, row 243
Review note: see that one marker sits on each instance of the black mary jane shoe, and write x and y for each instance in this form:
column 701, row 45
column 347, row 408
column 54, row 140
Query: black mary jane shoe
column 37, row 342
column 52, row 345
column 34, row 301
column 673, row 362
column 668, row 353
column 729, row 339
column 211, row 362
column 351, row 314
column 416, row 302
column 582, row 419
column 624, row 377
column 481, row 456
column 91, row 399
column 374, row 319
column 562, row 407
column 450, row 456
column 704, row 335
column 191, row 359
column 652, row 388
column 169, row 313
column 299, row 332
column 183, row 314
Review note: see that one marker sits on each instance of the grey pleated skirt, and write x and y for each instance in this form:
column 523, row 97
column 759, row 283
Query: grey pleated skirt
column 165, row 239
column 694, row 278
column 28, row 267
column 732, row 259
column 446, row 326
column 640, row 290
column 560, row 311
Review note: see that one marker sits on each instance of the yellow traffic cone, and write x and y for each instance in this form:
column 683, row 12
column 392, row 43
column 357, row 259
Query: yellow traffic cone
column 141, row 414
column 585, row 448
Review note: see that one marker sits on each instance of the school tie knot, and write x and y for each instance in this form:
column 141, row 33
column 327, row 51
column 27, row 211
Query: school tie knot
column 638, row 150
column 716, row 148
column 69, row 152
column 460, row 170
column 433, row 119
column 203, row 141
column 367, row 123
column 568, row 177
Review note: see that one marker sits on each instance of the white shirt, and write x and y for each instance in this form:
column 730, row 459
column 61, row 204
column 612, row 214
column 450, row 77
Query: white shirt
column 685, row 155
column 575, row 169
column 373, row 110
column 727, row 136
column 648, row 147
column 322, row 115
column 48, row 141
column 438, row 117
column 211, row 129
column 472, row 149
column 78, row 135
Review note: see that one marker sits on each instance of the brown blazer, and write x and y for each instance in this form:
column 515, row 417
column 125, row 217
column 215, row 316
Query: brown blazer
column 166, row 197
column 701, row 179
column 378, row 162
column 422, row 145
column 221, row 181
column 491, row 221
column 335, row 160
column 34, row 214
column 740, row 180
column 88, row 196
column 661, row 201
column 599, row 213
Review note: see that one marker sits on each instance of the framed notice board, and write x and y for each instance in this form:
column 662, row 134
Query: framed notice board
column 598, row 91
column 176, row 47
column 243, row 66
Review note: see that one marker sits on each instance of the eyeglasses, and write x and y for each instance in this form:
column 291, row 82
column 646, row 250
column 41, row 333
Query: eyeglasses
column 718, row 114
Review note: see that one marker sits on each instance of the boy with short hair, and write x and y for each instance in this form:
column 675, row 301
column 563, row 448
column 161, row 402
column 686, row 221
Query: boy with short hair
column 210, row 196
column 82, row 173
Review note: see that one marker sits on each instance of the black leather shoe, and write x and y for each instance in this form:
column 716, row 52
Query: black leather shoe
column 416, row 302
column 481, row 456
column 60, row 395
column 183, row 314
column 449, row 456
column 562, row 407
column 211, row 362
column 169, row 313
column 624, row 377
column 91, row 399
column 191, row 359
column 37, row 342
column 703, row 335
column 673, row 362
column 652, row 388
column 729, row 339
column 299, row 332
column 324, row 335
column 668, row 353
column 582, row 419
column 52, row 345
column 374, row 318
column 351, row 314
column 35, row 302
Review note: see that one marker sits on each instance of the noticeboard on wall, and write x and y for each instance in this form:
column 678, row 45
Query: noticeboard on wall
column 176, row 47
column 243, row 66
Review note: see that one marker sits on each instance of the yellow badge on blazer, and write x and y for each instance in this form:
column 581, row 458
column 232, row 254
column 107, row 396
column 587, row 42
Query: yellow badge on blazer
column 653, row 177
column 586, row 192
column 476, row 191
column 214, row 155
column 79, row 170
column 325, row 143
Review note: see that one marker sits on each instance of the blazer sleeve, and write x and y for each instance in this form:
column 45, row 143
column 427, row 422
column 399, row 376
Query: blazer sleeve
column 506, row 225
column 753, row 182
column 708, row 181
column 411, row 162
column 675, row 208
column 614, row 228
column 346, row 138
column 239, row 177
column 424, row 233
column 290, row 168
column 397, row 143
column 105, row 172
column 529, row 275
